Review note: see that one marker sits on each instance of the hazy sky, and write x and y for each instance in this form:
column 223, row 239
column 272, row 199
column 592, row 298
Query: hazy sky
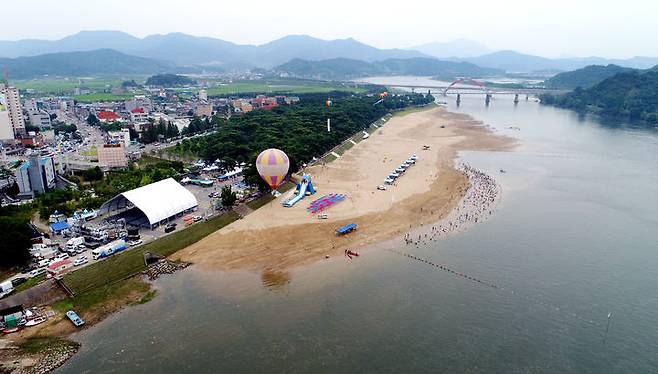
column 552, row 28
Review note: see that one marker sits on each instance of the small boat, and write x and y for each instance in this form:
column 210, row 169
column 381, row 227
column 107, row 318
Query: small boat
column 9, row 331
column 36, row 321
column 73, row 316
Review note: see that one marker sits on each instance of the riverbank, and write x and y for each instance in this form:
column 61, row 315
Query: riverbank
column 275, row 238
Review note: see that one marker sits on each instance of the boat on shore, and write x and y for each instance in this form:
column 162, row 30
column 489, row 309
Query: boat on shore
column 73, row 316
column 36, row 321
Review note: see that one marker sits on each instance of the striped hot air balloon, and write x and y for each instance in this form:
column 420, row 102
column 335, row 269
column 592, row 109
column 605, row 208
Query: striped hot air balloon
column 272, row 165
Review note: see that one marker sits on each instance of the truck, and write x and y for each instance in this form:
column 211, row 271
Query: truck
column 72, row 243
column 6, row 288
column 109, row 249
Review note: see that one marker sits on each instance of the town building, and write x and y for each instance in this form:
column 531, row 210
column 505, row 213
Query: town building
column 37, row 175
column 59, row 268
column 139, row 101
column 138, row 116
column 39, row 119
column 122, row 136
column 10, row 103
column 203, row 109
column 107, row 116
column 203, row 95
column 112, row 155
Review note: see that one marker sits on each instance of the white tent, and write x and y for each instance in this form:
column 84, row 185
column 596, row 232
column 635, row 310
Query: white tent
column 158, row 201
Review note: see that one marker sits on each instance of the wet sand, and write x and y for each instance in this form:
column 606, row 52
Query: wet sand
column 276, row 238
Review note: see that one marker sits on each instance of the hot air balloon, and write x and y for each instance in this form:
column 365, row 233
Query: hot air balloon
column 272, row 165
column 328, row 103
column 383, row 95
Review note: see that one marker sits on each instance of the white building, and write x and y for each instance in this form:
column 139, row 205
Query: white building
column 13, row 102
column 40, row 119
column 122, row 136
column 139, row 116
column 203, row 95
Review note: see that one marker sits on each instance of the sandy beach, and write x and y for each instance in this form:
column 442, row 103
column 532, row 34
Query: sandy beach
column 275, row 238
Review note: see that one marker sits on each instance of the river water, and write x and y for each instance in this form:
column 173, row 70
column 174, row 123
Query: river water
column 575, row 237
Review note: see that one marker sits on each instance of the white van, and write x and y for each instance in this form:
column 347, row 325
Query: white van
column 36, row 272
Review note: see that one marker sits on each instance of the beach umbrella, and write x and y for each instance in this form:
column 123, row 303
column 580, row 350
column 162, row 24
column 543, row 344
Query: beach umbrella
column 272, row 165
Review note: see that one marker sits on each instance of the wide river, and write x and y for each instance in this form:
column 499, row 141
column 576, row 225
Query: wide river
column 575, row 237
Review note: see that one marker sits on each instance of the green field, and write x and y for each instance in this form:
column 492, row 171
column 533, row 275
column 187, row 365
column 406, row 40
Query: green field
column 65, row 86
column 103, row 96
column 130, row 262
column 280, row 86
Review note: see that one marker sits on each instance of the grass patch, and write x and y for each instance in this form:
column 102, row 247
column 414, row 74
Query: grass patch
column 87, row 301
column 146, row 298
column 130, row 262
column 31, row 282
column 103, row 96
column 330, row 158
column 39, row 345
column 344, row 147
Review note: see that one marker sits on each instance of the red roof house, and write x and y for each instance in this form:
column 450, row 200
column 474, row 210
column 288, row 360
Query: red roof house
column 107, row 116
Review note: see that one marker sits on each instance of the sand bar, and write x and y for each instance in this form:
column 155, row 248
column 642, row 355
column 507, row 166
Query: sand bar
column 277, row 238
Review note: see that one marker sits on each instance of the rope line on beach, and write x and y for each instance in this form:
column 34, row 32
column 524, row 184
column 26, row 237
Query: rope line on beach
column 478, row 203
column 493, row 285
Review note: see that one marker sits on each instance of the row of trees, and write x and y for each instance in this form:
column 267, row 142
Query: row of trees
column 162, row 129
column 299, row 130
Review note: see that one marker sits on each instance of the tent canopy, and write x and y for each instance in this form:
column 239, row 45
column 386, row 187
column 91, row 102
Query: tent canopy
column 158, row 201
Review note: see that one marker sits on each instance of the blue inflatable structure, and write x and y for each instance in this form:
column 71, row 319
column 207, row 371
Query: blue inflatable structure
column 304, row 188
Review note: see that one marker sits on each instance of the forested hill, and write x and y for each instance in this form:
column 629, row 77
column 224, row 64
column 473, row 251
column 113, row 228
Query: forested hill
column 75, row 64
column 344, row 68
column 299, row 130
column 585, row 77
column 632, row 95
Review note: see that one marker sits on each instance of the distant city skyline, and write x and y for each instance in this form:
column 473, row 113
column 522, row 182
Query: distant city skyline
column 551, row 29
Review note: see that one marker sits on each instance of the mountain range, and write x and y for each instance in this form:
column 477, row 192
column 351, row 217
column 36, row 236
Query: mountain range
column 182, row 52
column 186, row 49
column 512, row 61
column 345, row 69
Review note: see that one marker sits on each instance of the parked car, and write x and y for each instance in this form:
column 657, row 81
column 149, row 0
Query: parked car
column 389, row 180
column 170, row 228
column 135, row 242
column 43, row 263
column 19, row 280
column 197, row 218
column 381, row 188
column 81, row 249
column 80, row 261
column 61, row 256
column 36, row 272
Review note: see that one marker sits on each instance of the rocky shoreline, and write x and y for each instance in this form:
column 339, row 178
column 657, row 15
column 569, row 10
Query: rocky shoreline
column 164, row 266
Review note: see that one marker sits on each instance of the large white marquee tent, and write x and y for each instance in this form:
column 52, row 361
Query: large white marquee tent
column 158, row 201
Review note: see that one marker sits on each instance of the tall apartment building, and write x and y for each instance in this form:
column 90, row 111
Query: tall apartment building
column 11, row 102
column 35, row 175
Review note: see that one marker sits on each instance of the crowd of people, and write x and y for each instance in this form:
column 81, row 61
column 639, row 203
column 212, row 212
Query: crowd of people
column 477, row 204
